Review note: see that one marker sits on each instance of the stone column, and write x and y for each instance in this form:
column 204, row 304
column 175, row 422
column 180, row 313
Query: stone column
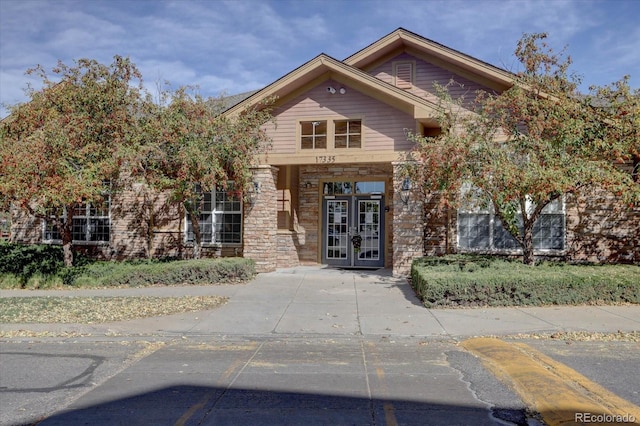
column 408, row 225
column 261, row 221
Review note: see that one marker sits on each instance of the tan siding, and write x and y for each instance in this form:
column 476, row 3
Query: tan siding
column 383, row 125
column 425, row 76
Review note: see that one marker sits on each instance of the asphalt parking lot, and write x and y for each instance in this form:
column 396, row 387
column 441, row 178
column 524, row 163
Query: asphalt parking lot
column 312, row 346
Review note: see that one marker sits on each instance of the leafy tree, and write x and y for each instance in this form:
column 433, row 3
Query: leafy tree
column 530, row 145
column 74, row 134
column 191, row 148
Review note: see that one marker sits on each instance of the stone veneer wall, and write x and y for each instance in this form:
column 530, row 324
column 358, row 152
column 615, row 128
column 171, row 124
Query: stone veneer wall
column 260, row 221
column 287, row 251
column 408, row 226
column 310, row 202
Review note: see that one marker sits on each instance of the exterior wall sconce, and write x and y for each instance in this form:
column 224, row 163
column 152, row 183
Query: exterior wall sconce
column 253, row 191
column 405, row 191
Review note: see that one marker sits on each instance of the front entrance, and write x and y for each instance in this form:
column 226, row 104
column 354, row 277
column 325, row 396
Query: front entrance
column 350, row 221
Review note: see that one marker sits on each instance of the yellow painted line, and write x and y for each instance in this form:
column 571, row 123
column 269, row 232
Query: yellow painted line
column 389, row 414
column 559, row 394
column 192, row 410
column 235, row 366
column 387, row 406
column 231, row 370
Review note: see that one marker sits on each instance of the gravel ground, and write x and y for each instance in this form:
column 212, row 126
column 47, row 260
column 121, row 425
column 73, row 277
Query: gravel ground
column 583, row 336
column 92, row 310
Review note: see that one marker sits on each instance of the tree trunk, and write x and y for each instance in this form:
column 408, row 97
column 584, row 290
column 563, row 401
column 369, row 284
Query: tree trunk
column 197, row 243
column 148, row 201
column 195, row 225
column 67, row 238
column 528, row 258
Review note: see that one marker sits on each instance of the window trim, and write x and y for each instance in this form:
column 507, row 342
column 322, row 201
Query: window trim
column 314, row 136
column 492, row 224
column 87, row 216
column 348, row 135
column 213, row 213
column 331, row 134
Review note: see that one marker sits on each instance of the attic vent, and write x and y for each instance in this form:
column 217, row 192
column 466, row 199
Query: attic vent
column 404, row 75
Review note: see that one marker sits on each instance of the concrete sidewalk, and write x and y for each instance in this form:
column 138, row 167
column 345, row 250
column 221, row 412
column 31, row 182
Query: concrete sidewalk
column 318, row 301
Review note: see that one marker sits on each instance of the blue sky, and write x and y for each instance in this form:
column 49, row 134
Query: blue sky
column 239, row 45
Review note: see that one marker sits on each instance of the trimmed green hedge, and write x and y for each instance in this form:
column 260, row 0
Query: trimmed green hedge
column 467, row 280
column 42, row 266
column 202, row 271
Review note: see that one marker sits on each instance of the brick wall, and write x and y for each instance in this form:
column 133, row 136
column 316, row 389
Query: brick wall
column 25, row 228
column 145, row 223
column 439, row 226
column 601, row 229
column 598, row 229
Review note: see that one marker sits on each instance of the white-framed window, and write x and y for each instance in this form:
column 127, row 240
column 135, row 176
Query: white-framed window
column 5, row 225
column 348, row 134
column 91, row 223
column 341, row 133
column 481, row 230
column 313, row 134
column 220, row 218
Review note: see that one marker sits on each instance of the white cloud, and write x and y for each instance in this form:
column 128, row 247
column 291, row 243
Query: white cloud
column 239, row 45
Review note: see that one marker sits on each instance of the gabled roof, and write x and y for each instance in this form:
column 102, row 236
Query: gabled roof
column 324, row 67
column 352, row 72
column 433, row 52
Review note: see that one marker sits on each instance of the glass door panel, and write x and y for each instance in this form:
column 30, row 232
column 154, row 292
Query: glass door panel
column 369, row 221
column 337, row 242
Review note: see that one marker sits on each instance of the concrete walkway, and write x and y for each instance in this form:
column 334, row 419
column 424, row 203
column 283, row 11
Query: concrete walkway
column 318, row 301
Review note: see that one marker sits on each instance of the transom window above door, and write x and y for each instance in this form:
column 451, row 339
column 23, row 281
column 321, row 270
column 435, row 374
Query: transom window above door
column 331, row 134
column 348, row 188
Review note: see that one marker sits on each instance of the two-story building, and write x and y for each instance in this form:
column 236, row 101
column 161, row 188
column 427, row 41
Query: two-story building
column 329, row 189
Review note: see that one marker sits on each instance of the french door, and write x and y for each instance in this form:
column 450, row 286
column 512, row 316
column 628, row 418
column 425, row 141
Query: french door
column 353, row 231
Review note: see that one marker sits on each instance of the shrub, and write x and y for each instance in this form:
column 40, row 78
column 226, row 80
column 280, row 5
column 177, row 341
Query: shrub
column 466, row 280
column 27, row 261
column 42, row 266
column 136, row 274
